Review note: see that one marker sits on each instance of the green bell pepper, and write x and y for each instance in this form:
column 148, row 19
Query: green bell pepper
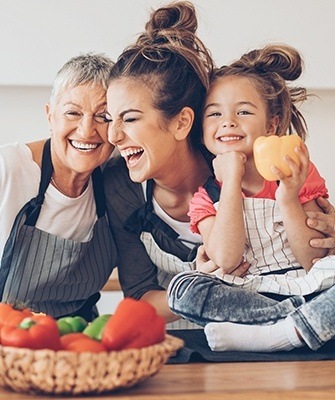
column 95, row 328
column 71, row 324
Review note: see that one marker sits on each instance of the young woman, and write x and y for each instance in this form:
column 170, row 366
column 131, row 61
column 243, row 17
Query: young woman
column 155, row 101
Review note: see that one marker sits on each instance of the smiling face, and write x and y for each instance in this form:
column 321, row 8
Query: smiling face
column 235, row 115
column 145, row 140
column 79, row 130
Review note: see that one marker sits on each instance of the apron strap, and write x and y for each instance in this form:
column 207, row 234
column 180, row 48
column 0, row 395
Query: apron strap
column 34, row 210
column 212, row 189
column 144, row 219
column 99, row 192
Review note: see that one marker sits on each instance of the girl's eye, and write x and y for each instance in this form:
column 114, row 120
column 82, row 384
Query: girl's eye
column 244, row 112
column 214, row 114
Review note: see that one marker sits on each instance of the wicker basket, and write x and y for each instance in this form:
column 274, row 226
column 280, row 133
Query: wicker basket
column 66, row 372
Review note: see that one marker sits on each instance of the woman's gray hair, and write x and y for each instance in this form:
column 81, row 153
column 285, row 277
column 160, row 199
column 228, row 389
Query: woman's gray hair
column 82, row 69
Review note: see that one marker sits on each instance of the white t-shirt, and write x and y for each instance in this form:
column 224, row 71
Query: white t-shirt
column 70, row 218
column 182, row 228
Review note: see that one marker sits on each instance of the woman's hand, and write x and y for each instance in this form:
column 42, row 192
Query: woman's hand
column 204, row 264
column 323, row 222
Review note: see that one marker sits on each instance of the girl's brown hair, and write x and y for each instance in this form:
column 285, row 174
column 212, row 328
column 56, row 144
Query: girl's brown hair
column 269, row 68
column 170, row 58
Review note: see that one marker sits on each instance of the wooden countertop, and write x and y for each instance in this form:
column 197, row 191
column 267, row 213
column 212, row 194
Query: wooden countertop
column 222, row 381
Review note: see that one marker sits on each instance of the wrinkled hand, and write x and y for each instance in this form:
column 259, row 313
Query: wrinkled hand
column 323, row 222
column 204, row 264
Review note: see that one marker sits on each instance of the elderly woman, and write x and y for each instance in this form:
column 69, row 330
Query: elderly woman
column 56, row 249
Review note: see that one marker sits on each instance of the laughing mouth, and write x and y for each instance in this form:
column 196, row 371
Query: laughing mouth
column 84, row 146
column 132, row 154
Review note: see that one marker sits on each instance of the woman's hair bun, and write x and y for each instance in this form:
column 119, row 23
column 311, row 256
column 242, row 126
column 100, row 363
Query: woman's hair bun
column 173, row 23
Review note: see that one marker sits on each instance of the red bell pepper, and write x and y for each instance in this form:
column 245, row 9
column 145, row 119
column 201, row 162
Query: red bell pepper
column 80, row 342
column 11, row 314
column 135, row 324
column 33, row 332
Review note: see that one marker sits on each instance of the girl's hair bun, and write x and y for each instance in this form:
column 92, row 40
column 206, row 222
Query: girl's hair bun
column 281, row 59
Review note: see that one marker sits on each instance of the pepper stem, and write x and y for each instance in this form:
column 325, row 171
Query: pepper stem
column 27, row 323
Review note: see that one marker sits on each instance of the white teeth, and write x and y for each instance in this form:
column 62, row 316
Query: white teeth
column 130, row 152
column 84, row 146
column 229, row 138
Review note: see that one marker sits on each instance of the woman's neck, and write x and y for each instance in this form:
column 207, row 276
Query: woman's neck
column 174, row 193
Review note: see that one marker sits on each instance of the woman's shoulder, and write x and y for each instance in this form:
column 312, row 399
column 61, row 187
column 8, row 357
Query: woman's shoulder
column 117, row 182
column 116, row 173
column 16, row 163
column 12, row 152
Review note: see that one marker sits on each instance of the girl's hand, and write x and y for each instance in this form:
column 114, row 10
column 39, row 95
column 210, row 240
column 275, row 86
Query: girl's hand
column 290, row 186
column 229, row 166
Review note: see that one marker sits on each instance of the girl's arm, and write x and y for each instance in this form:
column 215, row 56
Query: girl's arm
column 224, row 234
column 299, row 234
column 295, row 214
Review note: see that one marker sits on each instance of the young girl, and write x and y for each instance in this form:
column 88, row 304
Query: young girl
column 256, row 220
column 243, row 217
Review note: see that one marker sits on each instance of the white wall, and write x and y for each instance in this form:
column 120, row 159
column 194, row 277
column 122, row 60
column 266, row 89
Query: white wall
column 38, row 36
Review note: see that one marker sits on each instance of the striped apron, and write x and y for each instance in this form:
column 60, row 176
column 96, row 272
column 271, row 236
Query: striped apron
column 168, row 264
column 51, row 274
column 273, row 266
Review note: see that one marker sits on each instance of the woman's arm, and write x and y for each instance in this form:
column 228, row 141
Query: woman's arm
column 158, row 299
column 323, row 222
column 137, row 273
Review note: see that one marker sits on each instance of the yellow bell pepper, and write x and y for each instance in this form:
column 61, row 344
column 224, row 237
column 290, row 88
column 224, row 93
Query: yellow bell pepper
column 271, row 150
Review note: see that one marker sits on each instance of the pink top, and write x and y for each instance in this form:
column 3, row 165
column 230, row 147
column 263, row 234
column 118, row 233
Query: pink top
column 201, row 206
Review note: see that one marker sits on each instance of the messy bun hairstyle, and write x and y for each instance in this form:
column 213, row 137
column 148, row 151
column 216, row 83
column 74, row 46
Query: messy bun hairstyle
column 270, row 68
column 170, row 58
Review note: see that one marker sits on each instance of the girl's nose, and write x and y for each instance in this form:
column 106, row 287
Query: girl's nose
column 228, row 123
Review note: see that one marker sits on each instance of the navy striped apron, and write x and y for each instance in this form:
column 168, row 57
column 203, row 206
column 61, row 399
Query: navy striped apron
column 51, row 274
